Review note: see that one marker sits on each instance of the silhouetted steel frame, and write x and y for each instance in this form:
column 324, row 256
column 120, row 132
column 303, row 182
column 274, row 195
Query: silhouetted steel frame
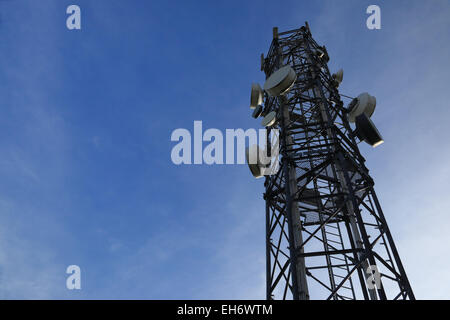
column 342, row 152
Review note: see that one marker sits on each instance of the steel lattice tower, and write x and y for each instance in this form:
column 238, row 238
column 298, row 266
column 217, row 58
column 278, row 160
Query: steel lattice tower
column 326, row 235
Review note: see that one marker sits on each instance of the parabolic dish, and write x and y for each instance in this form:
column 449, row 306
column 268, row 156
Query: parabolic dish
column 269, row 120
column 256, row 97
column 364, row 103
column 280, row 81
column 366, row 130
column 320, row 53
column 339, row 76
column 257, row 112
column 255, row 169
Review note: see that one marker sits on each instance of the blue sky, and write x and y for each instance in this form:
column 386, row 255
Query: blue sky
column 86, row 117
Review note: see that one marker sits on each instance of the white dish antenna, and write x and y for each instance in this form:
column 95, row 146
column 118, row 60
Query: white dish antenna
column 251, row 155
column 256, row 97
column 269, row 120
column 280, row 81
column 257, row 112
column 364, row 103
column 320, row 53
column 366, row 131
column 338, row 76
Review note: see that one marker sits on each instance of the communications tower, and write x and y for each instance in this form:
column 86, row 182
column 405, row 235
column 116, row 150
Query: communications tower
column 326, row 234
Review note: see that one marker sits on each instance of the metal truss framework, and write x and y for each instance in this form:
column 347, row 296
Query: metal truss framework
column 326, row 235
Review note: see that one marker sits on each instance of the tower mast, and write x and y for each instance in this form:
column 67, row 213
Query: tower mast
column 326, row 235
